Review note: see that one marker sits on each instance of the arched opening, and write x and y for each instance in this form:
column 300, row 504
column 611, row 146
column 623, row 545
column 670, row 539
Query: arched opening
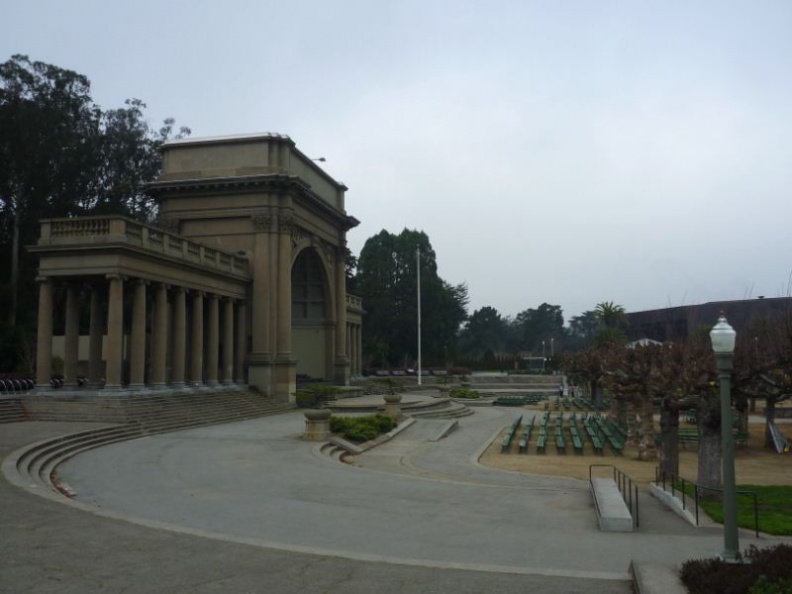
column 311, row 319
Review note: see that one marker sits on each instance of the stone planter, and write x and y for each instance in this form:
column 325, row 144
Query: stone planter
column 317, row 424
column 392, row 405
column 317, row 414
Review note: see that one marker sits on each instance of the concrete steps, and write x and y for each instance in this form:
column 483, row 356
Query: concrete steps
column 444, row 409
column 334, row 452
column 12, row 410
column 144, row 414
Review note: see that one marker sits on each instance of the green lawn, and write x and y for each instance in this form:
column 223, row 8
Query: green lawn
column 774, row 503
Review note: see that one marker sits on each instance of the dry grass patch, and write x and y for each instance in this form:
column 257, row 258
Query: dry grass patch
column 754, row 464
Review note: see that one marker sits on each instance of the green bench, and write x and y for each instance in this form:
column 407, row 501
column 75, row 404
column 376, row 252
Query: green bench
column 686, row 436
column 560, row 443
column 541, row 443
column 507, row 439
column 596, row 443
column 526, row 437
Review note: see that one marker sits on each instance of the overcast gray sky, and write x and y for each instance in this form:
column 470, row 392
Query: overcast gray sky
column 568, row 152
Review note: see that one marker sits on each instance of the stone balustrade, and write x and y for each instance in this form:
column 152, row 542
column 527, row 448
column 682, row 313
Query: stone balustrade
column 118, row 229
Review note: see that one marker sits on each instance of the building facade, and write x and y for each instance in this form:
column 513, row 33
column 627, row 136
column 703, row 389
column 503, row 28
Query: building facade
column 749, row 316
column 241, row 279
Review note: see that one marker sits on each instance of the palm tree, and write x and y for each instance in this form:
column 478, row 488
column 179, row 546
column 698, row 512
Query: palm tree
column 611, row 315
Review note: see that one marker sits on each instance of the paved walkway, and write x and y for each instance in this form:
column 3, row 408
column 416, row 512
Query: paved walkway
column 250, row 507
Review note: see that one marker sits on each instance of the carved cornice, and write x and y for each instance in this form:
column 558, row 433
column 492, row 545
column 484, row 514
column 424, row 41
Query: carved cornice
column 274, row 183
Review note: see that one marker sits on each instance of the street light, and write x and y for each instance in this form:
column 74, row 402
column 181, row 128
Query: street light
column 723, row 337
column 543, row 355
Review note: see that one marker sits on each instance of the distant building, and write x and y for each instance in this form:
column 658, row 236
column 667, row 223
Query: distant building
column 675, row 323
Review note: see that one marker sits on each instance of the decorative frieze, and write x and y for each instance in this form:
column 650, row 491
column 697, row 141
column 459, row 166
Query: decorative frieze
column 262, row 222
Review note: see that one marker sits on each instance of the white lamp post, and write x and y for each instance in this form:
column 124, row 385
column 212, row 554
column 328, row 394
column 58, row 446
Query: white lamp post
column 723, row 337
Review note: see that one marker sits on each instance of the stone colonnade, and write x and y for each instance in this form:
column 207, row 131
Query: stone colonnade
column 177, row 338
column 354, row 348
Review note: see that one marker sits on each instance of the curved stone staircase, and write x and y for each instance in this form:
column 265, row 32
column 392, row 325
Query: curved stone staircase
column 35, row 466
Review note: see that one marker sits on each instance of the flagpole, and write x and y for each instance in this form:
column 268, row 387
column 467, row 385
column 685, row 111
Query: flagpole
column 418, row 270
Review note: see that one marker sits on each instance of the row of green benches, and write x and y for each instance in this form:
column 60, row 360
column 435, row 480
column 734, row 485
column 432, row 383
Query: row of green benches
column 686, row 436
column 518, row 400
column 567, row 403
column 598, row 430
column 507, row 439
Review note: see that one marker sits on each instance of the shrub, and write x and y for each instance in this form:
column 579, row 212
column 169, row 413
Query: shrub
column 463, row 393
column 765, row 571
column 360, row 429
column 316, row 395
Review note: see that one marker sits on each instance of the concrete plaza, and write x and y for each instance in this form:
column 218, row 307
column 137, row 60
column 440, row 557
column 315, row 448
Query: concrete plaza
column 251, row 507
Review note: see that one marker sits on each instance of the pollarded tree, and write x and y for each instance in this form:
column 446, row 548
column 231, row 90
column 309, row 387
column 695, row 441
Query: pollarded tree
column 632, row 378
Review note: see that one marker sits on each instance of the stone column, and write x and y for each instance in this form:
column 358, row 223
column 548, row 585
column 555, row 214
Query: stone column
column 228, row 342
column 96, row 332
column 262, row 295
column 284, row 286
column 71, row 339
column 212, row 340
column 115, row 332
column 341, row 360
column 159, row 347
column 137, row 355
column 241, row 343
column 179, row 336
column 44, row 338
column 197, row 338
column 285, row 378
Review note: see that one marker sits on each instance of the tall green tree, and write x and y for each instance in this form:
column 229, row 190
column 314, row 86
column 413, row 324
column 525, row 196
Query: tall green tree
column 612, row 319
column 49, row 133
column 387, row 280
column 533, row 327
column 62, row 155
column 583, row 329
column 486, row 330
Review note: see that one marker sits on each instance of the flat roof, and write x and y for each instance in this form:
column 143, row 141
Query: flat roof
column 226, row 138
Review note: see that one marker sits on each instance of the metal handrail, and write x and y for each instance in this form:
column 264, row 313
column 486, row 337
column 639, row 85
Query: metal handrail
column 660, row 479
column 627, row 486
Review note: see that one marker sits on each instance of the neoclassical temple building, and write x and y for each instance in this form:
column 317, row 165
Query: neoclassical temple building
column 240, row 281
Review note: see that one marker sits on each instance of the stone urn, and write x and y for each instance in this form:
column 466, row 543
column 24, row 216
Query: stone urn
column 392, row 408
column 317, row 424
column 317, row 414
